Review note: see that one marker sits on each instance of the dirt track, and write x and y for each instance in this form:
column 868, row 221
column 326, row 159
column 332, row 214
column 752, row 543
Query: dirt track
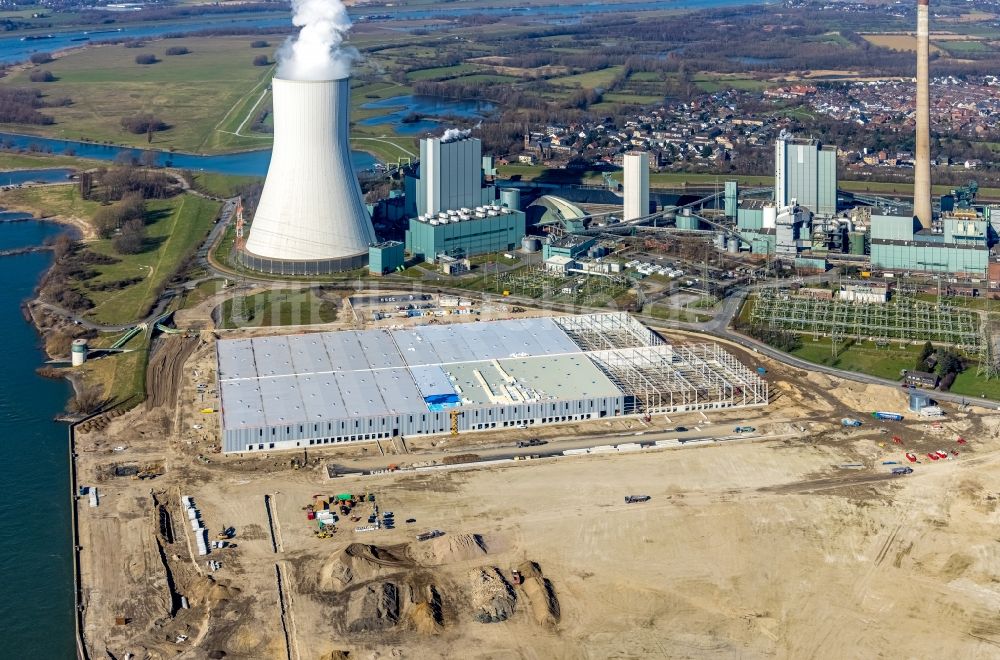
column 166, row 363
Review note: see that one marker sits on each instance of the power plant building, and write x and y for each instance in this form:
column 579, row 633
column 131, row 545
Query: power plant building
column 465, row 232
column 294, row 391
column 805, row 172
column 311, row 218
column 386, row 257
column 899, row 243
column 451, row 176
column 636, row 185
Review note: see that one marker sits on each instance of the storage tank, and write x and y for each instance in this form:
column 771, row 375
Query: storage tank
column 310, row 209
column 919, row 400
column 770, row 220
column 720, row 241
column 688, row 221
column 511, row 198
column 531, row 244
column 733, row 245
column 78, row 352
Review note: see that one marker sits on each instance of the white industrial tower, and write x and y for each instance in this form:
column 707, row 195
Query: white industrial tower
column 311, row 217
column 805, row 170
column 451, row 174
column 636, row 184
column 922, row 153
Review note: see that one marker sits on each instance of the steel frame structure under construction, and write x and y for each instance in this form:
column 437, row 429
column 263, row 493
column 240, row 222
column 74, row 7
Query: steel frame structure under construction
column 669, row 379
column 597, row 332
column 303, row 390
column 903, row 319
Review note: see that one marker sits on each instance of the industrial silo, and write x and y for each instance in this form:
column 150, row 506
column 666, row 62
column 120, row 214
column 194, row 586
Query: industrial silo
column 311, row 218
column 78, row 352
column 531, row 244
column 511, row 198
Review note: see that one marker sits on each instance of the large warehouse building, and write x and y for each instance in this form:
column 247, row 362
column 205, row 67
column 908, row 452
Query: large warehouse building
column 293, row 391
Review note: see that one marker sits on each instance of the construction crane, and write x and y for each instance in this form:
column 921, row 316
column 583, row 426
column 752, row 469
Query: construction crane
column 454, row 420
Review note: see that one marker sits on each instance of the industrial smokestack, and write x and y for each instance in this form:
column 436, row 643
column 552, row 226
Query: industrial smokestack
column 311, row 209
column 922, row 160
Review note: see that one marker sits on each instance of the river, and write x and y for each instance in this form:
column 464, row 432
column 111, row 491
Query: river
column 36, row 568
column 246, row 163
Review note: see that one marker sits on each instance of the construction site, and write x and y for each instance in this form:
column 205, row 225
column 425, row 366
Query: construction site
column 680, row 530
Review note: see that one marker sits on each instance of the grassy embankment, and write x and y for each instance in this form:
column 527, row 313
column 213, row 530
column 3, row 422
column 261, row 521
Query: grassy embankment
column 278, row 307
column 175, row 227
column 11, row 160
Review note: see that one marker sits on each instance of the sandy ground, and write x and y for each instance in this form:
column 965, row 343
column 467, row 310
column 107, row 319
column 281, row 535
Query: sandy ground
column 751, row 549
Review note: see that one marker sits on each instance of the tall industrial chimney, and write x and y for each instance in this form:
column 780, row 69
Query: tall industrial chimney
column 922, row 160
column 311, row 218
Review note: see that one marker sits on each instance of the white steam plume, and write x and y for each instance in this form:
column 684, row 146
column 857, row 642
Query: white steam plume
column 316, row 52
column 453, row 134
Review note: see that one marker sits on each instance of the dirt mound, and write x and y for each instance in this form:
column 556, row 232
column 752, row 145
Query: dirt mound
column 336, row 655
column 424, row 610
column 540, row 593
column 424, row 619
column 493, row 598
column 543, row 601
column 374, row 608
column 206, row 591
column 448, row 549
column 360, row 563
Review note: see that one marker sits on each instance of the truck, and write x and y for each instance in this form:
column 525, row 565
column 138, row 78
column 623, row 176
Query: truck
column 633, row 499
column 899, row 471
column 850, row 421
column 744, row 429
column 427, row 536
column 888, row 416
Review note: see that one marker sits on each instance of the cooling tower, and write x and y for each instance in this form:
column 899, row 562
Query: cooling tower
column 311, row 218
column 922, row 157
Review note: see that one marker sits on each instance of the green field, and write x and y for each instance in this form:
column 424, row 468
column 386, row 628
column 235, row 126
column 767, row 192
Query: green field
column 589, row 80
column 709, row 83
column 969, row 384
column 220, row 185
column 440, row 72
column 862, row 357
column 486, row 77
column 204, row 96
column 888, row 362
column 278, row 307
column 646, row 76
column 631, row 99
column 49, row 201
column 962, row 47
